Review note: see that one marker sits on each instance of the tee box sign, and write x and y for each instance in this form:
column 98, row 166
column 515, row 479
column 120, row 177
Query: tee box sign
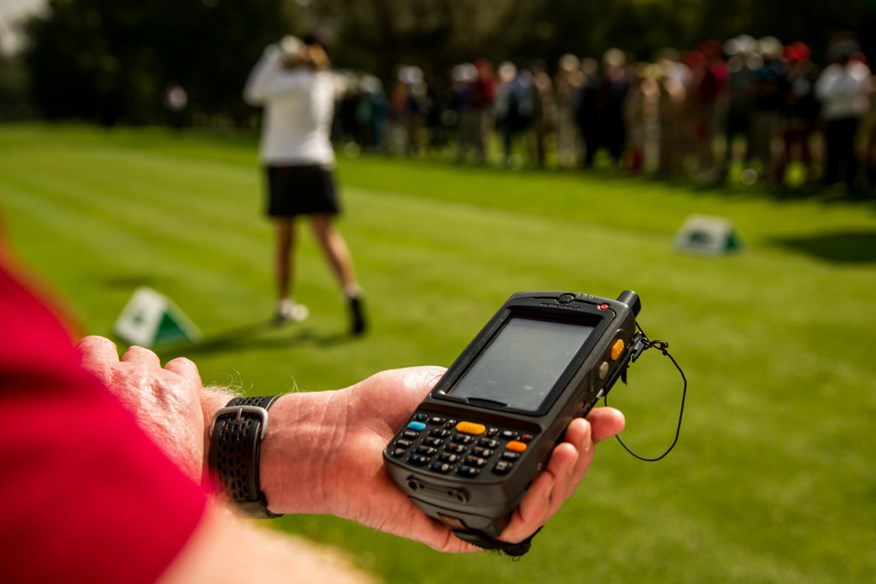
column 150, row 318
column 705, row 235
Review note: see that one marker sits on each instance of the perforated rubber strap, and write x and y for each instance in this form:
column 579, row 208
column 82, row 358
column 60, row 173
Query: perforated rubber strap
column 235, row 446
column 486, row 542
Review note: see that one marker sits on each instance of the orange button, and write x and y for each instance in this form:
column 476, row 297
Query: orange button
column 471, row 428
column 616, row 349
column 516, row 446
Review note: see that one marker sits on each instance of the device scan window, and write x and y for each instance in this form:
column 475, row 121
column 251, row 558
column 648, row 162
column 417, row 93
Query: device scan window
column 522, row 363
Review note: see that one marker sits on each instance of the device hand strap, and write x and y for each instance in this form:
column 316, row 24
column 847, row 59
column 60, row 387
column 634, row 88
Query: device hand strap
column 641, row 344
column 486, row 542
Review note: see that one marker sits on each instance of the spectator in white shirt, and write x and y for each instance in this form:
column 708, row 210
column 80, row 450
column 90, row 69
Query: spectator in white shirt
column 843, row 90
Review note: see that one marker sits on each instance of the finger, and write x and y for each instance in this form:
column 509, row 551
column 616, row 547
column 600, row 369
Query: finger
column 436, row 535
column 183, row 367
column 579, row 436
column 533, row 510
column 186, row 369
column 606, row 422
column 566, row 468
column 404, row 387
column 141, row 356
column 562, row 465
column 98, row 353
column 546, row 494
column 421, row 380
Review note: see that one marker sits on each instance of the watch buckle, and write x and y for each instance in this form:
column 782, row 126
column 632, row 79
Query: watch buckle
column 238, row 412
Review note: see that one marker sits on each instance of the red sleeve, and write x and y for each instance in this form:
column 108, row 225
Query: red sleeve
column 85, row 495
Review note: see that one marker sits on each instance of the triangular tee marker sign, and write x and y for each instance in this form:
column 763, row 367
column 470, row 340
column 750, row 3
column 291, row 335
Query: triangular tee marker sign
column 150, row 318
column 707, row 235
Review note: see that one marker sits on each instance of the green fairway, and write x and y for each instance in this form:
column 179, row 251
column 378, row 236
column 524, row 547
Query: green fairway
column 774, row 477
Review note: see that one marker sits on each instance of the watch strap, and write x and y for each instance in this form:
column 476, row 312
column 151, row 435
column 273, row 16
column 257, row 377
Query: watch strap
column 235, row 447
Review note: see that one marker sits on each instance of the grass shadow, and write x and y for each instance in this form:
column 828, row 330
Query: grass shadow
column 851, row 247
column 262, row 335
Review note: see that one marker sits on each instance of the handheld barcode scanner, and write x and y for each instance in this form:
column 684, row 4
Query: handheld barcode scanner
column 473, row 446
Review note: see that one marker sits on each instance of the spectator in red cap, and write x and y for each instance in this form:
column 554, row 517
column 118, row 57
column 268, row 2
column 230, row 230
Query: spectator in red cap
column 801, row 110
column 710, row 87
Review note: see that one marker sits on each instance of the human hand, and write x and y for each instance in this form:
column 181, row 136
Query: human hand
column 166, row 401
column 363, row 418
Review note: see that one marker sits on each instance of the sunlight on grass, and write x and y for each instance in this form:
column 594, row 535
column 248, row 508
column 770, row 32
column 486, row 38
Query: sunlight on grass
column 773, row 479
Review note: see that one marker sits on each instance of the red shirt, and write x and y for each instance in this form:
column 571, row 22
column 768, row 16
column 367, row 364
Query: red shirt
column 85, row 495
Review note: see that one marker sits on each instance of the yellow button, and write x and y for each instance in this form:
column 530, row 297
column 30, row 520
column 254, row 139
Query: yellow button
column 616, row 349
column 516, row 446
column 471, row 428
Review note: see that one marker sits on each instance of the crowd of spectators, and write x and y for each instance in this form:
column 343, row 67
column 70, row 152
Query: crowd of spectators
column 748, row 109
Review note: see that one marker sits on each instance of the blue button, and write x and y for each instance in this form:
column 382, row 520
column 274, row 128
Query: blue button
column 417, row 426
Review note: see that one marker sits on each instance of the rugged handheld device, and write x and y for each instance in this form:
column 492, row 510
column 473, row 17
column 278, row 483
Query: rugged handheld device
column 473, row 446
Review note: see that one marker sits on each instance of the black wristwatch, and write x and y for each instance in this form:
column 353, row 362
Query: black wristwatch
column 235, row 446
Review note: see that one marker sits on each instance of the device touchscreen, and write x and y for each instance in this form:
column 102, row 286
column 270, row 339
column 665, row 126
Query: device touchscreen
column 522, row 364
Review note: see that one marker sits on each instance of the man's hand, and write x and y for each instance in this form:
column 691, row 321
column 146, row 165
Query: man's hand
column 166, row 401
column 347, row 469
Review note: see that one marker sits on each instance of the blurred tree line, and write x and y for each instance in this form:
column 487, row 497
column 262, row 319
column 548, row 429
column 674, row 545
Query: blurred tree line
column 112, row 62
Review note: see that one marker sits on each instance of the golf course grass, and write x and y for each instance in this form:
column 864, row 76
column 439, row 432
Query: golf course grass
column 774, row 476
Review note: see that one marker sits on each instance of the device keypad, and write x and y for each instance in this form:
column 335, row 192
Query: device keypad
column 446, row 445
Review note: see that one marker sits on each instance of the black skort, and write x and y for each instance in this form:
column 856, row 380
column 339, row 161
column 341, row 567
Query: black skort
column 301, row 190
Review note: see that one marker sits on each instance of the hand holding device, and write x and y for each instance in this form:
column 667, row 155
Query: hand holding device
column 360, row 488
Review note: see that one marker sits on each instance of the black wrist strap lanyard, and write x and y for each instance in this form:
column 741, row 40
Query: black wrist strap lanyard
column 641, row 343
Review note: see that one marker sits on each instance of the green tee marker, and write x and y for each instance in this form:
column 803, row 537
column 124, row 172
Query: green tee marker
column 150, row 319
column 705, row 235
